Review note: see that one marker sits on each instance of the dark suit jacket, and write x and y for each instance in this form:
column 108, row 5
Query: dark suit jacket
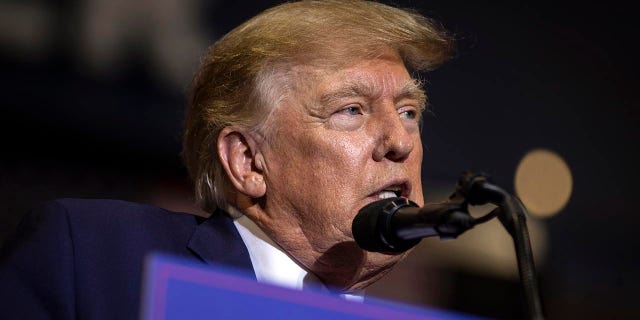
column 84, row 258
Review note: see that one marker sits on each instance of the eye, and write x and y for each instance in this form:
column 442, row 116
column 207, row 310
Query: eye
column 352, row 110
column 349, row 117
column 408, row 114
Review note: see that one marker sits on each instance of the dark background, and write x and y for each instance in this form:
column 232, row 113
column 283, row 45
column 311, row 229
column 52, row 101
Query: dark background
column 82, row 119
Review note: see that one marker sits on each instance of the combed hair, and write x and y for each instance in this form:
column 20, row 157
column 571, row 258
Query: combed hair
column 236, row 82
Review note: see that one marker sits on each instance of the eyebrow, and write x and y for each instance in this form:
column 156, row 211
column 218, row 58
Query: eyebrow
column 410, row 90
column 413, row 90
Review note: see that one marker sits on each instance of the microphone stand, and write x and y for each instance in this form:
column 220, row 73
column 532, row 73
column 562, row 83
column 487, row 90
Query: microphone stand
column 512, row 214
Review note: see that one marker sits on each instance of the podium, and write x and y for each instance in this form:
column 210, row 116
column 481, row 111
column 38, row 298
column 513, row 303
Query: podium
column 176, row 288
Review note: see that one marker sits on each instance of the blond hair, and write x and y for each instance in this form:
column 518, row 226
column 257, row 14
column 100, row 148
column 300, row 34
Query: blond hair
column 235, row 84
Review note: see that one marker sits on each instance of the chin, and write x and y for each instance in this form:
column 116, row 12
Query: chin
column 347, row 267
column 375, row 266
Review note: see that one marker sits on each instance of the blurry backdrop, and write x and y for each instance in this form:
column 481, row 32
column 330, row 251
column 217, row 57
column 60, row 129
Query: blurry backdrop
column 541, row 96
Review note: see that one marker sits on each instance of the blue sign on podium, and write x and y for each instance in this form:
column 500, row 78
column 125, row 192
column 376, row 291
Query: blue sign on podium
column 176, row 288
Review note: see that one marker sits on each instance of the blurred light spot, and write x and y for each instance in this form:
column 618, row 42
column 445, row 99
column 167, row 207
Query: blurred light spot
column 26, row 29
column 543, row 182
column 170, row 37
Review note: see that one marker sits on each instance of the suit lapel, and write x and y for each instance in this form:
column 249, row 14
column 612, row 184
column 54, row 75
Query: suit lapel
column 217, row 241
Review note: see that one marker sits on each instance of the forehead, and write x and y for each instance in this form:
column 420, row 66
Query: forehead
column 370, row 77
column 374, row 83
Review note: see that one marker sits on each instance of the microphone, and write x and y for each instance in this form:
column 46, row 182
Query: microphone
column 398, row 224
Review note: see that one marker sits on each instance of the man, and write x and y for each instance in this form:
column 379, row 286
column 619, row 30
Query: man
column 298, row 118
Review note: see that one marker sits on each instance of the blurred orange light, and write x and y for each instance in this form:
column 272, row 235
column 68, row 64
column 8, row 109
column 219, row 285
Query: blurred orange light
column 544, row 183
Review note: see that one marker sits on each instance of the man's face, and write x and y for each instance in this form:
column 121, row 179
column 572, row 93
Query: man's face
column 340, row 141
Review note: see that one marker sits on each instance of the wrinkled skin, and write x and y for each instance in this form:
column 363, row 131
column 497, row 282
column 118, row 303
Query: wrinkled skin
column 331, row 147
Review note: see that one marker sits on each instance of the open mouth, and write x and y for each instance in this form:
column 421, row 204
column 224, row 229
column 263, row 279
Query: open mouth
column 392, row 191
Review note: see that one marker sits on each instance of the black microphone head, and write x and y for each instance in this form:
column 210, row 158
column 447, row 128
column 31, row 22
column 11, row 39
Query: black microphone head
column 370, row 227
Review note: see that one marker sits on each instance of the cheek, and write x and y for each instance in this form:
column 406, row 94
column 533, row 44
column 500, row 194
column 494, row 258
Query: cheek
column 317, row 171
column 415, row 171
column 321, row 150
column 333, row 165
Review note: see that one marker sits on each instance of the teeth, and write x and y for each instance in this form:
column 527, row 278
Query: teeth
column 386, row 195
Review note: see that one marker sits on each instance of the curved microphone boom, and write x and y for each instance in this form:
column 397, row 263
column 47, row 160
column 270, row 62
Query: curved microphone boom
column 398, row 224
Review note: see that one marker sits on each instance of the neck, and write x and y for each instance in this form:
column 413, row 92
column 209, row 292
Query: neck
column 342, row 266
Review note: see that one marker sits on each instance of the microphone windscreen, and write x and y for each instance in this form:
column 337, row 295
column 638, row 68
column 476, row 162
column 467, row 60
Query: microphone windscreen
column 365, row 226
column 370, row 227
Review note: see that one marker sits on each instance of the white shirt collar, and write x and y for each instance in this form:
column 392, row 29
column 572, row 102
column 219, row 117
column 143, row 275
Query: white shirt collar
column 272, row 265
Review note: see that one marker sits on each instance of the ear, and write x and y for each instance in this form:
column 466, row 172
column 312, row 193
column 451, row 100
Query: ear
column 242, row 162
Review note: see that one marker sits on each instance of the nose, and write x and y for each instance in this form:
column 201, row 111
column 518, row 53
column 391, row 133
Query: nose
column 395, row 140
